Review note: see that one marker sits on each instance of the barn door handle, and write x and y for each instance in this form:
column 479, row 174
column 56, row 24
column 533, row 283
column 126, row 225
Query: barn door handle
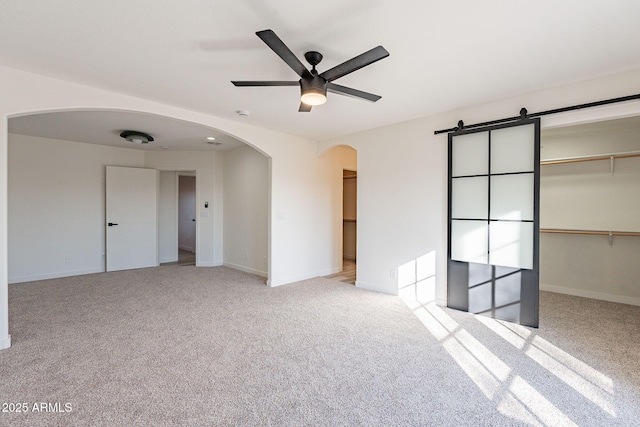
column 111, row 224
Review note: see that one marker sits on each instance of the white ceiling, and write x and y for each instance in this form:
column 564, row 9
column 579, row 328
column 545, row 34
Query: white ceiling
column 443, row 54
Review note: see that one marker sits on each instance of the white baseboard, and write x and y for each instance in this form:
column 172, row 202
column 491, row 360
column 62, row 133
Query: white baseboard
column 590, row 294
column 330, row 271
column 164, row 260
column 376, row 288
column 208, row 264
column 291, row 279
column 246, row 269
column 5, row 342
column 34, row 277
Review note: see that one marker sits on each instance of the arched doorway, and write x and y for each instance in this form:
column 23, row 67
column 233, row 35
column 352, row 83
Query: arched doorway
column 344, row 178
column 58, row 158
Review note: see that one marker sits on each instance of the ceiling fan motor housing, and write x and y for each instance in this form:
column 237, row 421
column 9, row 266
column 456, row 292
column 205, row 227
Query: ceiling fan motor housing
column 315, row 85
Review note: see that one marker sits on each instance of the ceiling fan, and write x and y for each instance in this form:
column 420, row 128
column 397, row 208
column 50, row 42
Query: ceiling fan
column 314, row 86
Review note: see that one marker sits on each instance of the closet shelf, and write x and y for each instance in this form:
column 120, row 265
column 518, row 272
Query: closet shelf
column 349, row 220
column 590, row 232
column 611, row 157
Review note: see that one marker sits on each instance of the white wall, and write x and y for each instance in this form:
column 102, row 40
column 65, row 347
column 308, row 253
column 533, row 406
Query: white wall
column 208, row 167
column 585, row 196
column 306, row 196
column 591, row 139
column 246, row 210
column 246, row 189
column 5, row 337
column 167, row 218
column 57, row 206
column 588, row 266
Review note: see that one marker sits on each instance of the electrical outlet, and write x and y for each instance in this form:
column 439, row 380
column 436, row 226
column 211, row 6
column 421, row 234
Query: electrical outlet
column 67, row 260
column 246, row 256
column 392, row 273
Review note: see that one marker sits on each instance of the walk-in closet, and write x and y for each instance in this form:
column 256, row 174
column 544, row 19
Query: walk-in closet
column 590, row 210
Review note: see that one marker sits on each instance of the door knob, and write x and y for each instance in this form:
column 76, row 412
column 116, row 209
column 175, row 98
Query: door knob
column 111, row 224
column 194, row 220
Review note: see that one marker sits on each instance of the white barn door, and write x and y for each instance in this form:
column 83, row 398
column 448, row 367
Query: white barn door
column 132, row 224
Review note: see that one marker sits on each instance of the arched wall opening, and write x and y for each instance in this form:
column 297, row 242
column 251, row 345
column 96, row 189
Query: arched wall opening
column 342, row 176
column 58, row 157
column 296, row 245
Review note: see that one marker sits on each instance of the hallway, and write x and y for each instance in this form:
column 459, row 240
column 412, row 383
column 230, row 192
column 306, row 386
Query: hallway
column 348, row 273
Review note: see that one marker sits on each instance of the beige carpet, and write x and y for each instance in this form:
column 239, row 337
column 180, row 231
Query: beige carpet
column 179, row 345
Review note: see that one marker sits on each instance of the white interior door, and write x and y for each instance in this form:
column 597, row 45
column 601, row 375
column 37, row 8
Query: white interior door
column 132, row 226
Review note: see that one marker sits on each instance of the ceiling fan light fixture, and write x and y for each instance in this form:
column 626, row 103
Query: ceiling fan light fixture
column 314, row 92
column 136, row 137
column 313, row 98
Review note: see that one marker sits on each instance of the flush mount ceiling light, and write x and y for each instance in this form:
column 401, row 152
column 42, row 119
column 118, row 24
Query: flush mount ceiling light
column 136, row 137
column 211, row 140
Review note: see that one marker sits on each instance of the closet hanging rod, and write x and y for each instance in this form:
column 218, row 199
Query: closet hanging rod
column 590, row 232
column 576, row 159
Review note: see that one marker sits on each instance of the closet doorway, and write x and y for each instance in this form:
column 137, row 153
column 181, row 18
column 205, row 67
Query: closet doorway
column 186, row 219
column 341, row 166
column 349, row 223
column 590, row 210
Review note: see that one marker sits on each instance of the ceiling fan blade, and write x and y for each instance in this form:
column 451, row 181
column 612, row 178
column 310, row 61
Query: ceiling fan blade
column 278, row 46
column 264, row 83
column 304, row 108
column 362, row 60
column 355, row 93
